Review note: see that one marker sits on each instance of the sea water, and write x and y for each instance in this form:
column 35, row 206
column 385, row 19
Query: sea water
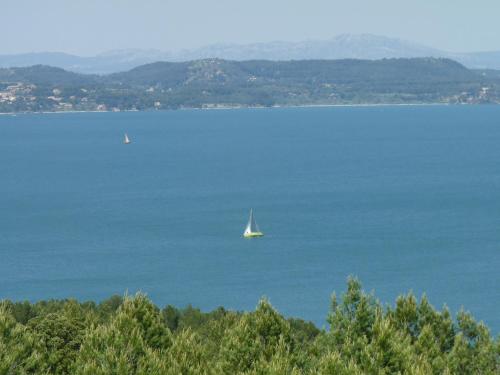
column 404, row 198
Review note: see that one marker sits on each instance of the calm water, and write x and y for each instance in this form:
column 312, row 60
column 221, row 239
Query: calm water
column 406, row 198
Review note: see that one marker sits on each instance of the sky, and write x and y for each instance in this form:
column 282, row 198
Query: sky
column 88, row 27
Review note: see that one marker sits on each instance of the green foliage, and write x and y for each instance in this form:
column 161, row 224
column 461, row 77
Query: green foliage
column 122, row 345
column 131, row 336
column 19, row 349
column 59, row 337
column 352, row 320
column 256, row 337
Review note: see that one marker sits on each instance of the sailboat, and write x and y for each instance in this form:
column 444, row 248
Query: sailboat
column 252, row 229
column 126, row 140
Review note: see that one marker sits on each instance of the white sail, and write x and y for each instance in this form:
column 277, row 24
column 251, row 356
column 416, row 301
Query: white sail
column 252, row 226
column 127, row 140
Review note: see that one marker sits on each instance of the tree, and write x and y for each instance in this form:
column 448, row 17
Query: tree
column 255, row 338
column 59, row 338
column 19, row 352
column 120, row 346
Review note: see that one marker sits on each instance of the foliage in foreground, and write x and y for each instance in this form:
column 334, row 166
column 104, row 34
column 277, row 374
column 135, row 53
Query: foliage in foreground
column 132, row 336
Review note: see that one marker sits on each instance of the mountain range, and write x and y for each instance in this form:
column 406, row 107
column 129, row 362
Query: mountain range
column 346, row 46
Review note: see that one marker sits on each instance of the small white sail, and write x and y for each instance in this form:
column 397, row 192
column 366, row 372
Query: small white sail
column 126, row 140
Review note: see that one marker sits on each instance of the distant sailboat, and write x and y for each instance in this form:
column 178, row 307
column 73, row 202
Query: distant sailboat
column 252, row 229
column 126, row 140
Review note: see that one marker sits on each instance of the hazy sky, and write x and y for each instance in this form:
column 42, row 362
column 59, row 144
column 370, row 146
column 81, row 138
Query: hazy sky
column 87, row 27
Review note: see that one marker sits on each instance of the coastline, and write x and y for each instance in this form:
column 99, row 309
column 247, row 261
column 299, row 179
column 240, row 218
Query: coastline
column 251, row 107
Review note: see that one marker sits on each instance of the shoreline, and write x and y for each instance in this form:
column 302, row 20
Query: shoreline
column 253, row 107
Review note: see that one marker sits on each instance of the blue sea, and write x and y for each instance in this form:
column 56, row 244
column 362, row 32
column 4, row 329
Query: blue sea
column 404, row 198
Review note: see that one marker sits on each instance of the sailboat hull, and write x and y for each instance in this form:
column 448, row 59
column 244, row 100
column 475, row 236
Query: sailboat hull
column 253, row 234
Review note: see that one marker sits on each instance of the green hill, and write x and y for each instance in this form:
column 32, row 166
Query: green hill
column 45, row 76
column 215, row 82
column 299, row 72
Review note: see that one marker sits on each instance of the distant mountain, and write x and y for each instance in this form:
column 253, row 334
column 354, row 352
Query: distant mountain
column 478, row 60
column 109, row 62
column 364, row 46
column 347, row 46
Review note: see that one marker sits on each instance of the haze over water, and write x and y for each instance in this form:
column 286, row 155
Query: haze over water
column 405, row 198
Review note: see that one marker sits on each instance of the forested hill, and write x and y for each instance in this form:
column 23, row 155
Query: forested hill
column 221, row 83
column 134, row 337
column 298, row 72
column 43, row 75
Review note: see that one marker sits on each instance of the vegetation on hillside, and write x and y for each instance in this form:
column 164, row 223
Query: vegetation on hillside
column 221, row 83
column 132, row 336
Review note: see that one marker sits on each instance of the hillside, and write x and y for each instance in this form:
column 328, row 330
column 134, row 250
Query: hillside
column 43, row 75
column 215, row 83
column 327, row 71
